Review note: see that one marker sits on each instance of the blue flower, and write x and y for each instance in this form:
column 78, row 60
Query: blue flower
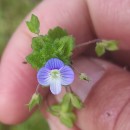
column 55, row 74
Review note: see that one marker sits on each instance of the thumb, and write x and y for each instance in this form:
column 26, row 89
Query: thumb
column 106, row 97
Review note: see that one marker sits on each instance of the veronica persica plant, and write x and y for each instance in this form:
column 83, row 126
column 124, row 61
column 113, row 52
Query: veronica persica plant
column 51, row 56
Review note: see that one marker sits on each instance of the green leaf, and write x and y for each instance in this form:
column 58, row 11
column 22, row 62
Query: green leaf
column 33, row 24
column 100, row 49
column 53, row 45
column 67, row 120
column 83, row 76
column 76, row 102
column 57, row 33
column 55, row 109
column 73, row 99
column 66, row 106
column 35, row 100
column 63, row 48
column 111, row 45
column 67, row 98
column 64, row 110
column 72, row 116
column 66, row 45
column 36, row 59
column 37, row 43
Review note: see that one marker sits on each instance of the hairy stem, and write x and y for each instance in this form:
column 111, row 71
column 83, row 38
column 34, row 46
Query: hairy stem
column 87, row 43
column 37, row 88
column 68, row 89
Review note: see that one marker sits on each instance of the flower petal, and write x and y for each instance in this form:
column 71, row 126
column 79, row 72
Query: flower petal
column 54, row 63
column 67, row 75
column 55, row 86
column 43, row 76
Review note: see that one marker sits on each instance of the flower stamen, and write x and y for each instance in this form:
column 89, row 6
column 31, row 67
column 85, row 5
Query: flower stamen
column 55, row 74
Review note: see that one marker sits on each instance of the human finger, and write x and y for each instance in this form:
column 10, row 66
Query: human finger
column 105, row 97
column 18, row 81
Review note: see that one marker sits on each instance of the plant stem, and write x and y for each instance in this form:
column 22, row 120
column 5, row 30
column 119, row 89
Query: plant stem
column 68, row 89
column 87, row 43
column 47, row 101
column 71, row 89
column 37, row 88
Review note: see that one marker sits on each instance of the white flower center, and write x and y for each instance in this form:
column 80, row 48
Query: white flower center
column 55, row 74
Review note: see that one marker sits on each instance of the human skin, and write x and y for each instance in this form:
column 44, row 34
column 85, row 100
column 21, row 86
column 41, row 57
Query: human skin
column 106, row 98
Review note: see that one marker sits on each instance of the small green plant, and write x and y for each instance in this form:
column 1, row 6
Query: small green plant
column 51, row 56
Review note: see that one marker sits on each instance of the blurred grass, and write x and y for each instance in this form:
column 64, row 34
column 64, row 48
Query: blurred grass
column 36, row 122
column 11, row 14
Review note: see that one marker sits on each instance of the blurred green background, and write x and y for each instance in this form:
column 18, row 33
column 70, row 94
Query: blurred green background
column 12, row 13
